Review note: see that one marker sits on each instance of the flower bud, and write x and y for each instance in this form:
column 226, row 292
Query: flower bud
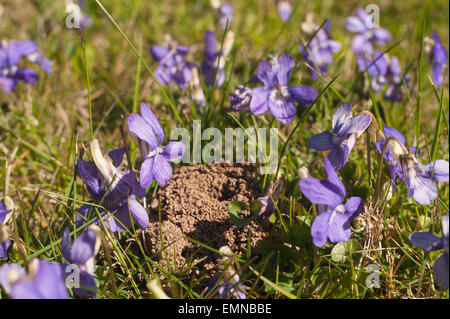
column 284, row 10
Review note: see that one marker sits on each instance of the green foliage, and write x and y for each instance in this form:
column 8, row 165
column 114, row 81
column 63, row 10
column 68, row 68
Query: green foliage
column 235, row 208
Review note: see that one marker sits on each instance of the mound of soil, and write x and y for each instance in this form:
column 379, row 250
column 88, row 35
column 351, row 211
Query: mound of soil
column 194, row 205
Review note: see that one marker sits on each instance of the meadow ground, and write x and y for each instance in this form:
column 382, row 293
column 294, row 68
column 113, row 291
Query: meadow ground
column 103, row 72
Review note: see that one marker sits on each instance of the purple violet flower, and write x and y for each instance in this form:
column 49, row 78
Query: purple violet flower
column 228, row 289
column 430, row 242
column 276, row 95
column 10, row 56
column 44, row 280
column 393, row 166
column 363, row 43
column 346, row 129
column 334, row 221
column 240, row 99
column 377, row 69
column 211, row 71
column 173, row 67
column 319, row 53
column 5, row 214
column 439, row 60
column 85, row 20
column 420, row 179
column 384, row 70
column 395, row 81
column 284, row 9
column 150, row 136
column 226, row 284
column 226, row 14
column 271, row 195
column 82, row 253
column 113, row 189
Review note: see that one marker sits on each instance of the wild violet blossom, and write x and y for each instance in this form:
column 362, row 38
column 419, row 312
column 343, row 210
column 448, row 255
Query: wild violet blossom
column 376, row 67
column 334, row 221
column 10, row 56
column 150, row 136
column 213, row 66
column 420, row 179
column 82, row 254
column 271, row 195
column 367, row 34
column 84, row 20
column 226, row 287
column 227, row 284
column 276, row 95
column 5, row 243
column 172, row 65
column 44, row 280
column 213, row 73
column 346, row 129
column 395, row 81
column 438, row 58
column 430, row 242
column 384, row 70
column 225, row 10
column 284, row 9
column 393, row 166
column 226, row 15
column 240, row 99
column 113, row 189
column 319, row 53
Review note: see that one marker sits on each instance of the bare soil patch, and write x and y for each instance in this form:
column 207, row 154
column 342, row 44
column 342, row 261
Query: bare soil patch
column 194, row 205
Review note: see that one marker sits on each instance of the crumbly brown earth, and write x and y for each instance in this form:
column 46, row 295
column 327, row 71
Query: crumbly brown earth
column 194, row 205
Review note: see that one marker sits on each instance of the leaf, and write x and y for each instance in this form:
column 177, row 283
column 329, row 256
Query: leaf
column 273, row 285
column 349, row 171
column 339, row 253
column 255, row 206
column 362, row 192
column 307, row 220
column 288, row 256
column 300, row 235
column 236, row 207
column 285, row 283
